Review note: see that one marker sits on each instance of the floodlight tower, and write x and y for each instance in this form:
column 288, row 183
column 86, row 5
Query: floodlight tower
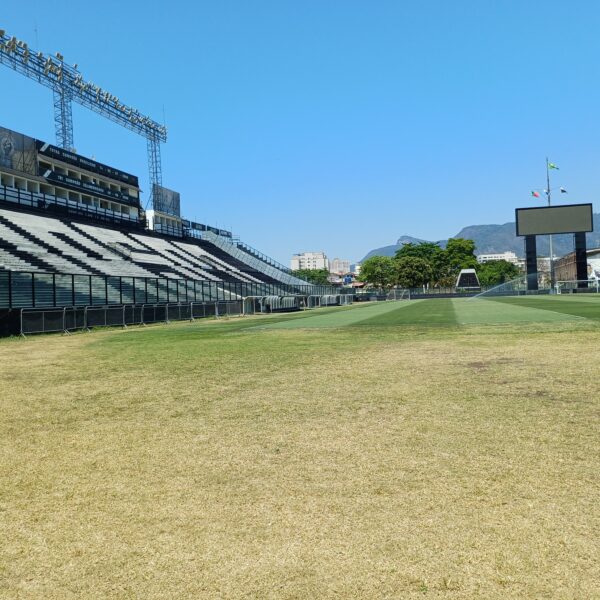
column 68, row 86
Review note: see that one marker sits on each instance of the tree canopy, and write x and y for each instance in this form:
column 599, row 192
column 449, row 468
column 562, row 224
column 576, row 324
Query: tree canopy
column 496, row 272
column 412, row 271
column 426, row 263
column 379, row 271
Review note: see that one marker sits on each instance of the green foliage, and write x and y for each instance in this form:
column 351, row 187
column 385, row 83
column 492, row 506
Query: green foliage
column 314, row 276
column 432, row 254
column 496, row 272
column 427, row 251
column 433, row 266
column 412, row 271
column 460, row 254
column 379, row 271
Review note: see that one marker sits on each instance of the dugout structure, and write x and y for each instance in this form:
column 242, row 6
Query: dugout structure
column 552, row 220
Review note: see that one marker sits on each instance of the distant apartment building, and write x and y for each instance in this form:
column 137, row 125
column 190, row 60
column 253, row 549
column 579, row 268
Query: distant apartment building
column 339, row 266
column 508, row 256
column 309, row 260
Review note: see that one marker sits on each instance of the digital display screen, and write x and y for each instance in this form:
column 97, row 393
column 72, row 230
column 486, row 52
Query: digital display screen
column 568, row 218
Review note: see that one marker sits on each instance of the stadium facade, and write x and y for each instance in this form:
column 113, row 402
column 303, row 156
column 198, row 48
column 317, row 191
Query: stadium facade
column 73, row 233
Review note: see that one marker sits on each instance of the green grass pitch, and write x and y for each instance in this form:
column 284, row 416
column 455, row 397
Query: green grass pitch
column 441, row 448
column 453, row 312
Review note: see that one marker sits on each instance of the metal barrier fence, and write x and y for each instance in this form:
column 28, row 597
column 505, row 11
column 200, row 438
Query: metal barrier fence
column 22, row 289
column 578, row 286
column 71, row 318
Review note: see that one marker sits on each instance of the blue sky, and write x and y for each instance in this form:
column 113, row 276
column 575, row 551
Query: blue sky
column 334, row 125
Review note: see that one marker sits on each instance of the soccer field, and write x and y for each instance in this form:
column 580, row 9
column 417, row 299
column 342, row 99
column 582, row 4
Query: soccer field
column 429, row 448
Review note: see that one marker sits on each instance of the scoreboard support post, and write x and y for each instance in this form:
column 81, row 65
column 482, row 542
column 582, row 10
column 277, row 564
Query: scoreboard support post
column 581, row 260
column 531, row 262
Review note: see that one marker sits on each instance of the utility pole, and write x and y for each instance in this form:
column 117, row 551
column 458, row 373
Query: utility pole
column 548, row 195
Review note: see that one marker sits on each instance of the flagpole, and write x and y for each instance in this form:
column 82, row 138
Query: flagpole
column 551, row 248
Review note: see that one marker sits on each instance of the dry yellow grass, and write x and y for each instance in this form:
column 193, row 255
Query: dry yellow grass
column 198, row 461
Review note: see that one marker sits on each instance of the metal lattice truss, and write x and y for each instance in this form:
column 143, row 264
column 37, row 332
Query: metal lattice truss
column 68, row 86
column 57, row 75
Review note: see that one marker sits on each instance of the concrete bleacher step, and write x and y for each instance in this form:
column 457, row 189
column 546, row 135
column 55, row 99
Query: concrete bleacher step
column 77, row 245
column 58, row 245
column 77, row 264
column 24, row 260
column 180, row 265
column 82, row 232
column 224, row 270
column 253, row 274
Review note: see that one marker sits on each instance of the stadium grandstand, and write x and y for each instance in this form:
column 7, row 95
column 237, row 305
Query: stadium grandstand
column 77, row 248
column 73, row 233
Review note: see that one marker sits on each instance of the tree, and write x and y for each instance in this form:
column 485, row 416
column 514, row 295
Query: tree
column 460, row 254
column 412, row 271
column 314, row 276
column 430, row 252
column 426, row 250
column 496, row 272
column 378, row 271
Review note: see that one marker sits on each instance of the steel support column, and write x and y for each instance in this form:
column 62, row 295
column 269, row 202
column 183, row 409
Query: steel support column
column 63, row 118
column 154, row 170
column 531, row 262
column 581, row 260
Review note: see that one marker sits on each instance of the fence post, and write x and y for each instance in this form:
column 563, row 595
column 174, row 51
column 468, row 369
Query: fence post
column 191, row 311
column 124, row 323
column 22, row 334
column 64, row 320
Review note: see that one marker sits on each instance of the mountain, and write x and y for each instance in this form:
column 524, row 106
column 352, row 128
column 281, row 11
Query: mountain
column 490, row 239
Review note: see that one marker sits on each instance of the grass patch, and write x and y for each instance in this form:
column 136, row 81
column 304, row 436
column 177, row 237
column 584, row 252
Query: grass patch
column 222, row 460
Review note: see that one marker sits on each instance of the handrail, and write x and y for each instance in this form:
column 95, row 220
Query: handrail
column 42, row 200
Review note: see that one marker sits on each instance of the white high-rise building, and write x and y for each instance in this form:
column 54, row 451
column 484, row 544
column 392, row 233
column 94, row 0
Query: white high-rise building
column 309, row 260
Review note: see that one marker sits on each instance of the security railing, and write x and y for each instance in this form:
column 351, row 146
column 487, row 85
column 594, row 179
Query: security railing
column 55, row 204
column 23, row 289
column 72, row 318
column 266, row 259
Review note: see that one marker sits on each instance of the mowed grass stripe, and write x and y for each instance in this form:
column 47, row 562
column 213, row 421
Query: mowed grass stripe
column 439, row 311
column 566, row 305
column 341, row 317
column 475, row 311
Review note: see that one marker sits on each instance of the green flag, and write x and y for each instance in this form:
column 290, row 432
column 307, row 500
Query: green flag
column 552, row 166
